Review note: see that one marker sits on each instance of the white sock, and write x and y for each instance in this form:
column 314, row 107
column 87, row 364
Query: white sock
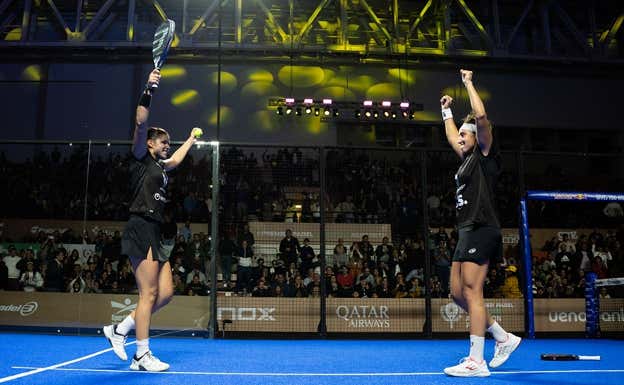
column 499, row 334
column 143, row 347
column 476, row 347
column 125, row 326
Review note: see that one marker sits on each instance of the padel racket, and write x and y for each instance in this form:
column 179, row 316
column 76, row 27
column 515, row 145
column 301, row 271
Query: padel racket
column 568, row 357
column 163, row 37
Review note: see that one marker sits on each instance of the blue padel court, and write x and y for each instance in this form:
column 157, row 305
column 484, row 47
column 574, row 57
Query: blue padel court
column 88, row 360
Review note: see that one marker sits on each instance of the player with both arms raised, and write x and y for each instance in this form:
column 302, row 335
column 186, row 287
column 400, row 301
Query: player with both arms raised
column 142, row 241
column 479, row 231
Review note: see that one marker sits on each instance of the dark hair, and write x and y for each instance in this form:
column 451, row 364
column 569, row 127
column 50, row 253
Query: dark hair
column 155, row 133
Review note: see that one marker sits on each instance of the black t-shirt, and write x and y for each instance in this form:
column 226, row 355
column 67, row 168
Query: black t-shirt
column 475, row 181
column 148, row 184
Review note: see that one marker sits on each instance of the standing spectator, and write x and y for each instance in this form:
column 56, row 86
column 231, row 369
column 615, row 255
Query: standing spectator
column 289, row 248
column 31, row 280
column 247, row 235
column 384, row 251
column 227, row 249
column 340, row 256
column 307, row 256
column 13, row 273
column 244, row 253
column 54, row 280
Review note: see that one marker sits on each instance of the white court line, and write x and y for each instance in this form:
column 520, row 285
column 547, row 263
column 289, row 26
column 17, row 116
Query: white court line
column 262, row 374
column 57, row 366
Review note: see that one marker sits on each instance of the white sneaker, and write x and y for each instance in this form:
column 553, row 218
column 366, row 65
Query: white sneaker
column 148, row 363
column 468, row 368
column 504, row 349
column 117, row 341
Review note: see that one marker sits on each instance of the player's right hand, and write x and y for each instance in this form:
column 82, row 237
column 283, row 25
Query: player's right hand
column 446, row 101
column 154, row 78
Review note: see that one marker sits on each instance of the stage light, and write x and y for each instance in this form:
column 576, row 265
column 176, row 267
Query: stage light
column 298, row 111
column 279, row 110
column 367, row 113
column 386, row 103
column 357, row 114
column 404, row 104
column 368, row 103
column 326, row 111
column 317, row 112
column 394, row 115
column 375, row 114
column 288, row 110
column 308, row 101
column 290, row 100
column 308, row 110
column 327, row 101
column 386, row 114
column 336, row 113
column 405, row 113
column 411, row 115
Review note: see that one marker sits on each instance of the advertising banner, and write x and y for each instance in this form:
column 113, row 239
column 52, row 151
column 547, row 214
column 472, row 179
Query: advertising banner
column 448, row 317
column 96, row 310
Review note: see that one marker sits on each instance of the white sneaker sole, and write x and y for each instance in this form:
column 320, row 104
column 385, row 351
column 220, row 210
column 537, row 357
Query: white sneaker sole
column 468, row 374
column 513, row 349
column 108, row 334
column 135, row 366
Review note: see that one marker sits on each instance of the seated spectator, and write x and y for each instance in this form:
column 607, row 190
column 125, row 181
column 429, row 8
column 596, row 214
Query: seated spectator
column 196, row 286
column 511, row 287
column 261, row 289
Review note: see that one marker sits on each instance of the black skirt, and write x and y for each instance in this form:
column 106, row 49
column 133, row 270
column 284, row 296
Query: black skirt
column 479, row 244
column 139, row 235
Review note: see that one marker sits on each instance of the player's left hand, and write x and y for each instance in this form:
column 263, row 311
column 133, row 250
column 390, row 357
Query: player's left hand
column 466, row 75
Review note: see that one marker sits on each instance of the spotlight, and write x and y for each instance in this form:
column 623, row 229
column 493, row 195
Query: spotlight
column 404, row 104
column 279, row 111
column 394, row 115
column 386, row 114
column 298, row 111
column 357, row 114
column 308, row 110
column 386, row 103
column 375, row 114
column 411, row 115
column 405, row 113
column 317, row 112
column 368, row 103
column 308, row 101
column 290, row 100
column 327, row 101
column 288, row 110
column 336, row 113
column 326, row 111
column 367, row 113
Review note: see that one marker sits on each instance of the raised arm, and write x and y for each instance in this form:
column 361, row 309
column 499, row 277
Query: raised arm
column 179, row 155
column 484, row 128
column 452, row 135
column 139, row 140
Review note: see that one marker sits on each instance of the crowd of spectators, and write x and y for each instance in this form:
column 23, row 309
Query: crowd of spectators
column 362, row 187
column 360, row 269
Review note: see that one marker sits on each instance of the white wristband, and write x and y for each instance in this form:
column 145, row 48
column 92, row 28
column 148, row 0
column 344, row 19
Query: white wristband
column 447, row 114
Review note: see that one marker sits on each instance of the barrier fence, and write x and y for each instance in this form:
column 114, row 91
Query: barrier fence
column 334, row 197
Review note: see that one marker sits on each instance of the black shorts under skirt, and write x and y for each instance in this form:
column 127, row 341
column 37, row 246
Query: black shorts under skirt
column 479, row 244
column 139, row 235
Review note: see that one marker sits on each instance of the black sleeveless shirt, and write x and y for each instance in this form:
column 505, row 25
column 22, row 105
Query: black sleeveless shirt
column 148, row 183
column 476, row 182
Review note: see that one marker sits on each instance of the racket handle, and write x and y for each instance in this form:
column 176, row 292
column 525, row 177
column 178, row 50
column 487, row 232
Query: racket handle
column 589, row 358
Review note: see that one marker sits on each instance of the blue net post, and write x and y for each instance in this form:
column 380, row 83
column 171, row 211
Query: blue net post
column 592, row 307
column 526, row 252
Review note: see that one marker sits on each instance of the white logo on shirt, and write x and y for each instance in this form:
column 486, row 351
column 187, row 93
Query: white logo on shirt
column 472, row 251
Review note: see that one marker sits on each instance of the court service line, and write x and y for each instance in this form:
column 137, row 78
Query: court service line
column 373, row 374
column 58, row 366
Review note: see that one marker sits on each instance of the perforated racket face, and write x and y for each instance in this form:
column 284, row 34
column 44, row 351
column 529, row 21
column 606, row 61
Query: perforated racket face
column 163, row 37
